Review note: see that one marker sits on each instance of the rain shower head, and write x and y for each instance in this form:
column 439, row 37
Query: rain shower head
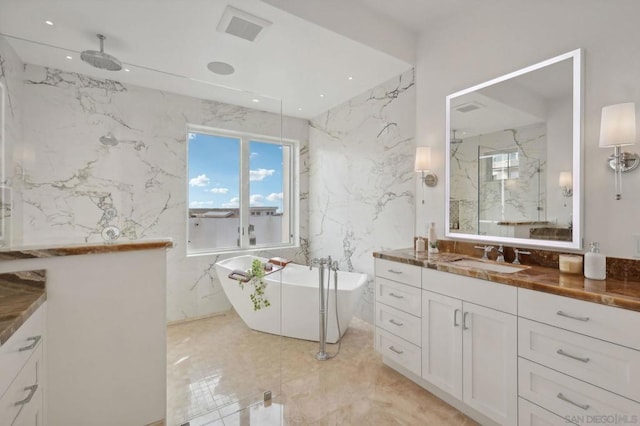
column 99, row 59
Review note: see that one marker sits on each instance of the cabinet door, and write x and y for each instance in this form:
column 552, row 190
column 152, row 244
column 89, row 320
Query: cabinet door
column 442, row 342
column 490, row 362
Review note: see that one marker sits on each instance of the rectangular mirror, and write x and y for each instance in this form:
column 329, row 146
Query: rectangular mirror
column 513, row 158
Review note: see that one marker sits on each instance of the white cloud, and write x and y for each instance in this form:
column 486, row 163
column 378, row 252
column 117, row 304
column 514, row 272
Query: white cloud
column 256, row 200
column 260, row 174
column 275, row 196
column 234, row 202
column 201, row 180
column 219, row 190
column 200, row 204
column 253, row 155
column 192, row 135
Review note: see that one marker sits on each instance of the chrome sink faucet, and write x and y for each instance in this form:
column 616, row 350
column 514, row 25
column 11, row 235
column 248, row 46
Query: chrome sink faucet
column 487, row 250
column 500, row 257
column 517, row 252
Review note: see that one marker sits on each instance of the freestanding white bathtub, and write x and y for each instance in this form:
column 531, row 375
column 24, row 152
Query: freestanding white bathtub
column 293, row 294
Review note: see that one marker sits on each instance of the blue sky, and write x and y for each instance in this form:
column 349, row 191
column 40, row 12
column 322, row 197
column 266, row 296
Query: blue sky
column 214, row 163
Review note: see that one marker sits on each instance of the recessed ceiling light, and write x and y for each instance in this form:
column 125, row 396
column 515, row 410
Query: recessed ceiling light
column 49, row 23
column 221, row 68
column 299, row 109
column 322, row 95
column 69, row 57
column 350, row 78
column 255, row 100
column 127, row 70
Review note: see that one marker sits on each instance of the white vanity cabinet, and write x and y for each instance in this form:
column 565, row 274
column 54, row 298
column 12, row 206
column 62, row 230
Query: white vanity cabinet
column 579, row 360
column 22, row 374
column 105, row 330
column 398, row 313
column 469, row 342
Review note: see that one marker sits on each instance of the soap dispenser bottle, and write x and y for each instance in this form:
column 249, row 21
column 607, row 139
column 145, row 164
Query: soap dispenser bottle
column 433, row 238
column 595, row 263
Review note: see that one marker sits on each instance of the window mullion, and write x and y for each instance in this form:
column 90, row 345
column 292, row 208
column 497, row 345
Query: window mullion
column 244, row 192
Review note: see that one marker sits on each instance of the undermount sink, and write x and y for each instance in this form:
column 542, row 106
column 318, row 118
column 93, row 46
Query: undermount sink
column 493, row 267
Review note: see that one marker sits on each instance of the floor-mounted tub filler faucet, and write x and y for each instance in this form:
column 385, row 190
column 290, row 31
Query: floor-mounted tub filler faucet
column 330, row 265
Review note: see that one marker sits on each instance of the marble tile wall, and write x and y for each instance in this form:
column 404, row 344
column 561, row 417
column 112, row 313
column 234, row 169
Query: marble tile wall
column 361, row 178
column 11, row 69
column 362, row 183
column 70, row 181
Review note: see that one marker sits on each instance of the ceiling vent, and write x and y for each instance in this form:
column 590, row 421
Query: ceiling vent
column 242, row 24
column 469, row 106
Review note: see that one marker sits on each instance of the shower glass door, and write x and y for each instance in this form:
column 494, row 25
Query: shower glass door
column 238, row 198
column 510, row 194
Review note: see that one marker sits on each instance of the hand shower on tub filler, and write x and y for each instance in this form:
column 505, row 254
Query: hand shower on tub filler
column 330, row 265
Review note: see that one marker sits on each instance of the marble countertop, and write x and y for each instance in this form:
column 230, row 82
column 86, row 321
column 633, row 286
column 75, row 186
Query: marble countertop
column 31, row 252
column 21, row 293
column 613, row 292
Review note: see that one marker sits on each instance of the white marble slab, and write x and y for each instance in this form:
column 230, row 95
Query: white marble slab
column 362, row 180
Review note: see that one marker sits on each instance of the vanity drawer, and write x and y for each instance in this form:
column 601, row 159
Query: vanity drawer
column 28, row 338
column 570, row 398
column 615, row 368
column 604, row 322
column 400, row 272
column 501, row 297
column 398, row 350
column 400, row 296
column 26, row 390
column 531, row 415
column 399, row 323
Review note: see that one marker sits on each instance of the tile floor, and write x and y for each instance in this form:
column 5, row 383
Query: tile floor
column 218, row 370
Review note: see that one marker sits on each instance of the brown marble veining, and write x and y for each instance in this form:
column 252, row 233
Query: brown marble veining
column 524, row 222
column 21, row 293
column 15, row 253
column 540, row 272
column 554, row 234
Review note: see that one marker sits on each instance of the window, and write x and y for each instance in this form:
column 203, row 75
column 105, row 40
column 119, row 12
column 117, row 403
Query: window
column 503, row 165
column 243, row 191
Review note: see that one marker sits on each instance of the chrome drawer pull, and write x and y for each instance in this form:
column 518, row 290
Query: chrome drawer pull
column 394, row 322
column 391, row 348
column 393, row 271
column 562, row 314
column 32, row 390
column 464, row 321
column 565, row 399
column 35, row 340
column 397, row 296
column 577, row 358
column 455, row 318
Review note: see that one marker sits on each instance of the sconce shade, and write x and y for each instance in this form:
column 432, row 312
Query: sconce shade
column 618, row 125
column 423, row 158
column 565, row 180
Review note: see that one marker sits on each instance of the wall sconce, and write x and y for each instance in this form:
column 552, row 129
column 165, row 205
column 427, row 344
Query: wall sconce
column 423, row 162
column 617, row 129
column 565, row 183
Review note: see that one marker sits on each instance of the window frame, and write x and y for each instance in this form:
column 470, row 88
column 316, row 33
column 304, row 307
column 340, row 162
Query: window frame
column 292, row 204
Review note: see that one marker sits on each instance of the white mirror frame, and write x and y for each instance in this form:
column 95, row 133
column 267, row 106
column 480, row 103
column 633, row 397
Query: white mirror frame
column 577, row 154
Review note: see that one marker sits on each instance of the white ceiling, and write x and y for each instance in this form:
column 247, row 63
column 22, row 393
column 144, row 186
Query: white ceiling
column 167, row 44
column 418, row 14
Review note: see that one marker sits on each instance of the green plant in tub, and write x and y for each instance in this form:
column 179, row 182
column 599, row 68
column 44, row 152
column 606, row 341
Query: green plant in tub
column 256, row 279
